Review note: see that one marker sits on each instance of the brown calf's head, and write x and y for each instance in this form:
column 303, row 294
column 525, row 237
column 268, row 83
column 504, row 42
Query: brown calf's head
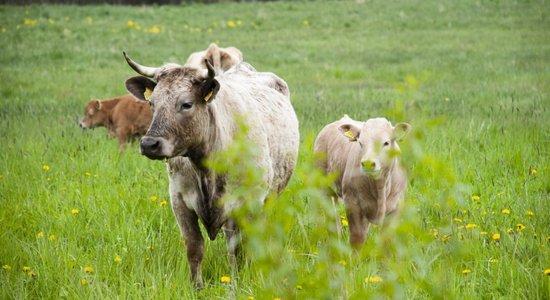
column 179, row 98
column 377, row 139
column 94, row 115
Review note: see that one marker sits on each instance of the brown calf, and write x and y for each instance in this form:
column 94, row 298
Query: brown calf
column 124, row 117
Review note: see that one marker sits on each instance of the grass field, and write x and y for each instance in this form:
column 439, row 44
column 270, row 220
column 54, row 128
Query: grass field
column 79, row 220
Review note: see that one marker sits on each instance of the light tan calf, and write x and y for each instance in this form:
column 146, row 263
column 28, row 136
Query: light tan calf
column 364, row 155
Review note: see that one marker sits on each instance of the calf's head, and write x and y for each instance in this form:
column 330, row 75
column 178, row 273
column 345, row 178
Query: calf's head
column 94, row 115
column 377, row 140
column 179, row 97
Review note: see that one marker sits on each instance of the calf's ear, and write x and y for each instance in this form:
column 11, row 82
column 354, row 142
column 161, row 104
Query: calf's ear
column 98, row 105
column 350, row 131
column 141, row 87
column 400, row 131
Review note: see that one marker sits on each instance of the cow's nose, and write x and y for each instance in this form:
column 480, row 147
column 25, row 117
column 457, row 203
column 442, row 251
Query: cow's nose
column 368, row 165
column 150, row 146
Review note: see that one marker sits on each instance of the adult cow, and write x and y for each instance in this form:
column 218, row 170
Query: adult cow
column 195, row 116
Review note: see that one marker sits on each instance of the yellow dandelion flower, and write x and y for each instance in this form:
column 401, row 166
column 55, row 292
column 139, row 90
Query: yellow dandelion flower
column 373, row 279
column 88, row 174
column 495, row 237
column 83, row 281
column 154, row 29
column 520, row 227
column 434, row 232
column 117, row 259
column 225, row 279
column 31, row 274
column 299, row 287
column 29, row 22
column 26, row 268
column 533, row 171
column 509, row 231
column 131, row 24
column 471, row 226
column 88, row 269
column 493, row 260
column 40, row 234
column 475, row 197
column 75, row 211
column 276, row 298
column 6, row 267
column 52, row 237
column 447, row 99
column 163, row 203
column 530, row 213
column 466, row 271
column 45, row 167
column 345, row 222
column 547, row 272
column 153, row 198
column 231, row 24
column 250, row 298
column 305, row 23
column 505, row 211
column 458, row 220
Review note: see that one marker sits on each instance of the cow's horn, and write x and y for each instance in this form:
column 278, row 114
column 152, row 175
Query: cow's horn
column 143, row 70
column 211, row 72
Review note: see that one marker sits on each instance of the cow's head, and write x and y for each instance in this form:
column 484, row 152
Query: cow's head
column 94, row 115
column 179, row 97
column 377, row 139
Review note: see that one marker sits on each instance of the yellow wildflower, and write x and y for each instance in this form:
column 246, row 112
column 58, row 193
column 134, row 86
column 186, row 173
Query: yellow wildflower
column 342, row 262
column 475, row 197
column 40, row 234
column 26, row 268
column 520, row 227
column 52, row 237
column 466, row 271
column 509, row 231
column 45, row 167
column 88, row 269
column 470, row 226
column 493, row 260
column 373, row 279
column 276, row 298
column 231, row 24
column 155, row 29
column 305, row 23
column 530, row 213
column 484, row 233
column 75, row 211
column 434, row 232
column 131, row 24
column 6, row 267
column 547, row 272
column 345, row 222
column 506, row 211
column 496, row 236
column 83, row 281
column 458, row 220
column 29, row 22
column 445, row 238
column 250, row 298
column 533, row 171
column 117, row 259
column 299, row 287
column 225, row 279
column 163, row 203
column 154, row 198
column 89, row 20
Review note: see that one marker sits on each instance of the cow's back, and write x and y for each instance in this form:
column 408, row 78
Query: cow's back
column 133, row 114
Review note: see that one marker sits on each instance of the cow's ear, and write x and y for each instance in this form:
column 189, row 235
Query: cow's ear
column 209, row 89
column 141, row 87
column 400, row 131
column 98, row 104
column 350, row 131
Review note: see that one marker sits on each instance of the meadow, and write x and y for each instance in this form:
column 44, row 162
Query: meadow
column 79, row 220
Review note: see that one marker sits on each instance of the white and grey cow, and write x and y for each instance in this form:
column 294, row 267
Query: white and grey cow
column 370, row 180
column 195, row 116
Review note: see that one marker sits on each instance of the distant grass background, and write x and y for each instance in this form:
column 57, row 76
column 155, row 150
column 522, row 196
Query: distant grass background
column 472, row 77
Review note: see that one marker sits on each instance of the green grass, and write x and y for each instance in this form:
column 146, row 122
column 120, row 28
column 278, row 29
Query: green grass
column 472, row 77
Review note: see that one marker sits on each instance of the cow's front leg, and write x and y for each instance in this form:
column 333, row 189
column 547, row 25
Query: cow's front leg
column 192, row 237
column 233, row 240
column 358, row 227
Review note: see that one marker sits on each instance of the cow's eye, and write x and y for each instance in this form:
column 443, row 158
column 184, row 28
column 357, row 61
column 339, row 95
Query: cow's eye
column 186, row 106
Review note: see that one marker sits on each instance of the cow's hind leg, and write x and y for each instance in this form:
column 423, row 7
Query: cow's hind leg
column 192, row 237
